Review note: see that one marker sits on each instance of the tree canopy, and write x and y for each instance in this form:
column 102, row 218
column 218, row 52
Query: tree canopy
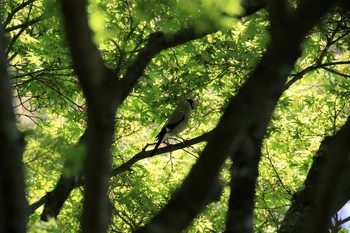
column 87, row 85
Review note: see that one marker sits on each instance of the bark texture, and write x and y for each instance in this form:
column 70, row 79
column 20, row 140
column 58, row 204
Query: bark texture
column 13, row 205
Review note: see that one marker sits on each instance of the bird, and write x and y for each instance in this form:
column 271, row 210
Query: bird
column 176, row 123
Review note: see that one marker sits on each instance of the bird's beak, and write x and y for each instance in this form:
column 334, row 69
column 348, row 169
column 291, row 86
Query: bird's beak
column 195, row 104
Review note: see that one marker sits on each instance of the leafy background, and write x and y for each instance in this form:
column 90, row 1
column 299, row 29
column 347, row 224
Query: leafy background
column 52, row 113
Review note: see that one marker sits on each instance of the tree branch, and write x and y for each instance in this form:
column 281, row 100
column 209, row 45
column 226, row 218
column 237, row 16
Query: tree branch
column 22, row 29
column 147, row 154
column 13, row 205
column 325, row 175
column 87, row 61
column 99, row 87
column 54, row 199
column 331, row 180
column 15, row 10
column 156, row 43
column 314, row 67
column 26, row 23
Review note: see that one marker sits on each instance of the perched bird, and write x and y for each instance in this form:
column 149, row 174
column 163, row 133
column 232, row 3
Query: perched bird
column 176, row 123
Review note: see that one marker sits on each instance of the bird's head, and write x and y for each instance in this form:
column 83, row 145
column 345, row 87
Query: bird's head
column 192, row 103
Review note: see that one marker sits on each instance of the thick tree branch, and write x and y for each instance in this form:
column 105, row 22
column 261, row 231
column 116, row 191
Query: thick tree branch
column 98, row 86
column 36, row 205
column 342, row 221
column 245, row 162
column 87, row 61
column 13, row 205
column 333, row 180
column 328, row 176
column 244, row 172
column 252, row 6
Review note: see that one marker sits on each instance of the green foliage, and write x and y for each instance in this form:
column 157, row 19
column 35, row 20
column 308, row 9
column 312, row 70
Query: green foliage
column 209, row 70
column 172, row 15
column 44, row 227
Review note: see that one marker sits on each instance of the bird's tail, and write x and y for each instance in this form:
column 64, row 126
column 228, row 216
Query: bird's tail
column 160, row 138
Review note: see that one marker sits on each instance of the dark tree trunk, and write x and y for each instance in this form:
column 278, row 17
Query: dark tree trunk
column 13, row 205
column 326, row 188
